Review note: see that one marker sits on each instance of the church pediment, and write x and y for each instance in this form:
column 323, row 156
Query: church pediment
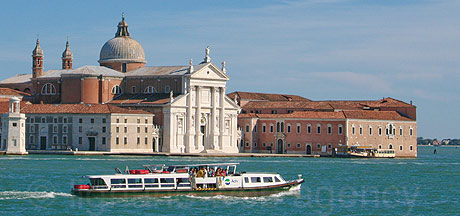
column 210, row 72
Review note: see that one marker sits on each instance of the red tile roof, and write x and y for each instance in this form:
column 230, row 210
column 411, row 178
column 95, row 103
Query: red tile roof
column 12, row 92
column 376, row 115
column 76, row 109
column 325, row 105
column 308, row 105
column 126, row 98
column 265, row 96
column 349, row 114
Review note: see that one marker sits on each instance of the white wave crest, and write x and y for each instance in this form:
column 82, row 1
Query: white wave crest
column 19, row 195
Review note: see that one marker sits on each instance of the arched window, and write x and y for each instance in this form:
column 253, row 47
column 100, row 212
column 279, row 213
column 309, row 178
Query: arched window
column 390, row 146
column 116, row 90
column 167, row 89
column 149, row 90
column 48, row 89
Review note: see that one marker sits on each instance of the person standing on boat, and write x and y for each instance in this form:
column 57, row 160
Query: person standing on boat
column 201, row 173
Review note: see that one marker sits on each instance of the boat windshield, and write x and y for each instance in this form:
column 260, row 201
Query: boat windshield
column 97, row 183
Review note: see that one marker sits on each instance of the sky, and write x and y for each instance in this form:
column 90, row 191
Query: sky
column 319, row 49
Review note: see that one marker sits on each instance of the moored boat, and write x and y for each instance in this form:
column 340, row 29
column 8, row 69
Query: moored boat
column 156, row 179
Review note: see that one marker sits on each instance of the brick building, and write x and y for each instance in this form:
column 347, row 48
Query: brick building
column 291, row 124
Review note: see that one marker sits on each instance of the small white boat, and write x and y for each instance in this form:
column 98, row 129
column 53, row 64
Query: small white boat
column 159, row 179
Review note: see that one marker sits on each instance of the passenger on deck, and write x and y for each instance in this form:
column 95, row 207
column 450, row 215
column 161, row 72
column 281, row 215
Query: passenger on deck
column 201, row 173
column 219, row 172
column 211, row 172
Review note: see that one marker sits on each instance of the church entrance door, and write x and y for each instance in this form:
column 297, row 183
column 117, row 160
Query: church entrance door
column 92, row 143
column 43, row 142
column 280, row 147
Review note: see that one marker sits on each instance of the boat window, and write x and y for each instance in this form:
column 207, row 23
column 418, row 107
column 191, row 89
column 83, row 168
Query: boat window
column 277, row 179
column 150, row 180
column 246, row 180
column 183, row 182
column 167, row 182
column 268, row 179
column 255, row 179
column 117, row 181
column 231, row 170
column 98, row 183
column 135, row 181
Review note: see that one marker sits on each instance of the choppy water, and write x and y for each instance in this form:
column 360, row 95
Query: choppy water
column 428, row 185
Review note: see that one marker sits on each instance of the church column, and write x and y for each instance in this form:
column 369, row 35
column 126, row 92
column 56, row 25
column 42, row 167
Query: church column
column 197, row 117
column 189, row 139
column 213, row 122
column 221, row 117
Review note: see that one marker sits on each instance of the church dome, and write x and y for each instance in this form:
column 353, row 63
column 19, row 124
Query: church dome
column 122, row 48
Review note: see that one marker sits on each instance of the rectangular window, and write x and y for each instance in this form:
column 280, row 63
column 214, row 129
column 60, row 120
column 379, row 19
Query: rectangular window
column 274, row 112
column 263, row 128
column 318, row 129
column 55, row 120
column 146, row 129
column 125, row 140
column 64, row 140
column 138, row 129
column 400, row 148
column 309, row 129
column 80, row 140
column 117, row 140
column 92, row 121
column 104, row 129
column 80, row 129
column 126, row 129
column 43, row 120
column 289, row 128
column 380, row 131
column 126, row 120
column 329, row 129
column 167, row 182
column 118, row 120
column 138, row 140
column 268, row 179
column 340, row 129
column 146, row 121
column 117, row 129
column 298, row 129
column 80, row 120
column 400, row 131
column 64, row 129
column 247, row 128
column 104, row 120
column 55, row 129
column 353, row 130
column 298, row 145
column 146, row 140
column 133, row 89
column 360, row 131
column 255, row 180
column 32, row 120
column 138, row 121
column 410, row 132
column 65, row 120
column 55, row 139
column 31, row 139
column 370, row 131
column 103, row 140
column 15, row 124
column 271, row 128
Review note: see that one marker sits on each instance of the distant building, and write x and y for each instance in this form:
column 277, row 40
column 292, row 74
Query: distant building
column 191, row 109
column 280, row 124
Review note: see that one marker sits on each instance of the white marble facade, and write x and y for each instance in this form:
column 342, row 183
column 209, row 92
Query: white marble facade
column 203, row 119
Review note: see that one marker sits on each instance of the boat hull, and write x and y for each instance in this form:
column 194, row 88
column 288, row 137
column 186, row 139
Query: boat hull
column 253, row 191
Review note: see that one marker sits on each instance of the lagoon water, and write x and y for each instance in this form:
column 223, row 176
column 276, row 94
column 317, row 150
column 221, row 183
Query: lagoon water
column 428, row 185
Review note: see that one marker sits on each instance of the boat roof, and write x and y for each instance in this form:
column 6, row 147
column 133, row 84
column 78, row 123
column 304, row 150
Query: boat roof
column 211, row 164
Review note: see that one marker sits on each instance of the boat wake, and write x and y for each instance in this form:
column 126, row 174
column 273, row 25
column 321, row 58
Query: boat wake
column 254, row 198
column 19, row 195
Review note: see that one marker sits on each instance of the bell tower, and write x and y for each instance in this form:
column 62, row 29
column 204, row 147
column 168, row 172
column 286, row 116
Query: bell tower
column 37, row 61
column 67, row 57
